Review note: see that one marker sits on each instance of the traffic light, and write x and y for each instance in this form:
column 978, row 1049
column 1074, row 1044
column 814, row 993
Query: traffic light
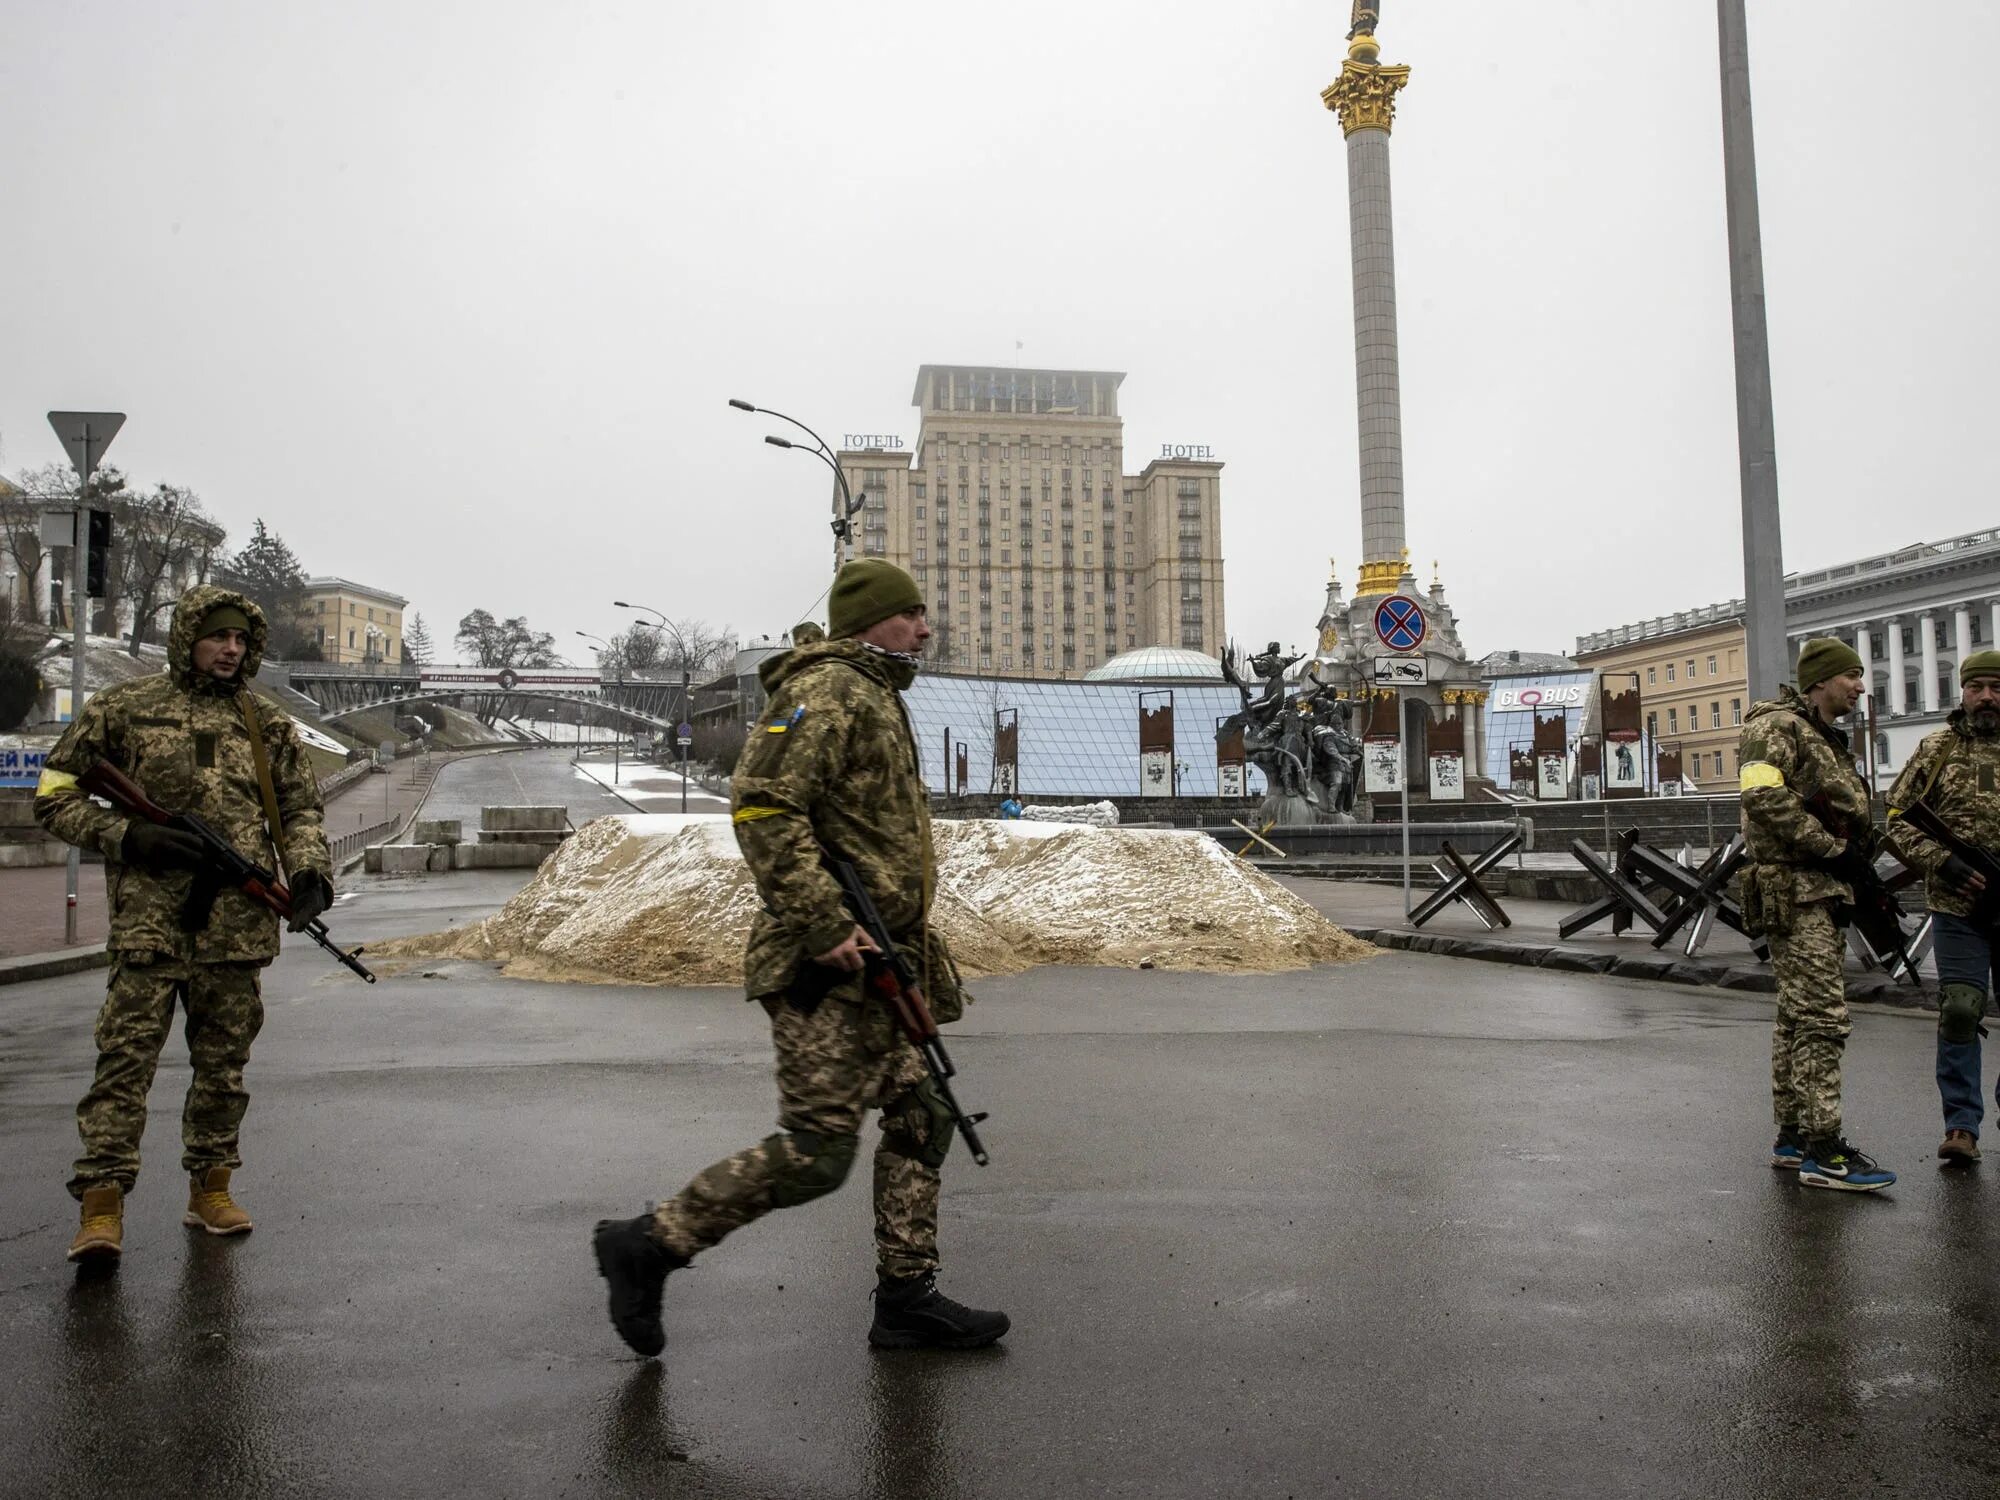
column 100, row 552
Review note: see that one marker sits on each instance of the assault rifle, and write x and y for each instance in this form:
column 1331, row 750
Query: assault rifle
column 1986, row 905
column 1875, row 914
column 890, row 977
column 225, row 866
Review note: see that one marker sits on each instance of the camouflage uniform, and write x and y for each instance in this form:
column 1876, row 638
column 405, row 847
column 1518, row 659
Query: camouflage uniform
column 833, row 762
column 1956, row 772
column 183, row 739
column 1788, row 757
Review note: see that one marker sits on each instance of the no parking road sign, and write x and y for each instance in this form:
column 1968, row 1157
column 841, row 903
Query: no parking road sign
column 1399, row 623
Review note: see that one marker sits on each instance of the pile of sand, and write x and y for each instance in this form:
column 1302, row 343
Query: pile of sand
column 668, row 900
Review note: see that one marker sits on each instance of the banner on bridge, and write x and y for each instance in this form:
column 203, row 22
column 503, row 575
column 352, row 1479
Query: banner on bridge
column 505, row 679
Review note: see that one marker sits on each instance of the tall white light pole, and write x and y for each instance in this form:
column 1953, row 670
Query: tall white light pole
column 1756, row 439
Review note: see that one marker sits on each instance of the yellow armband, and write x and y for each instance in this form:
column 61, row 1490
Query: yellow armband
column 1758, row 773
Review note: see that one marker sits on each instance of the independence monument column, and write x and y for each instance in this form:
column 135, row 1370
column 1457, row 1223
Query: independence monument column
column 1364, row 96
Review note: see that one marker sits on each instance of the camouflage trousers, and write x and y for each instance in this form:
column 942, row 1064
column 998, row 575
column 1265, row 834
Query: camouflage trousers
column 224, row 1014
column 834, row 1065
column 1812, row 1023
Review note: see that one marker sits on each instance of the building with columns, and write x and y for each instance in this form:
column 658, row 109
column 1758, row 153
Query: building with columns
column 1911, row 614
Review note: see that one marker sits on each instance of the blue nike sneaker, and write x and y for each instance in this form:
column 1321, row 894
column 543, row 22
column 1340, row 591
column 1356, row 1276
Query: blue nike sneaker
column 1836, row 1164
column 1787, row 1151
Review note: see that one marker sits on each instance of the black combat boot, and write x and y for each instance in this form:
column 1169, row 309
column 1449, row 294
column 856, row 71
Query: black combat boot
column 636, row 1266
column 911, row 1313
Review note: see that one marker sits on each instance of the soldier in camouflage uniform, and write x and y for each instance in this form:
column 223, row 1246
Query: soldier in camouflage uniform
column 831, row 764
column 1807, row 830
column 1956, row 773
column 184, row 736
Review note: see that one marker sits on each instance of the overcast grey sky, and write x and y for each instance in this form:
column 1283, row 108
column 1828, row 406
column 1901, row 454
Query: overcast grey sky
column 453, row 294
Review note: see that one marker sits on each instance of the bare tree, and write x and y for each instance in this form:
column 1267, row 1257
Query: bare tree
column 165, row 534
column 693, row 646
column 505, row 643
column 20, row 520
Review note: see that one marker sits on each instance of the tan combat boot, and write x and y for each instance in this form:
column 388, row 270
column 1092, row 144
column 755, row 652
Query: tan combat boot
column 210, row 1207
column 101, row 1235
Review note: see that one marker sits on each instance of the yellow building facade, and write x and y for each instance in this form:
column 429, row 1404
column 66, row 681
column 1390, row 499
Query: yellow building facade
column 1693, row 685
column 353, row 623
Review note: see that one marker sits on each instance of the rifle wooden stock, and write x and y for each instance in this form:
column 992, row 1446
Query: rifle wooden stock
column 226, row 866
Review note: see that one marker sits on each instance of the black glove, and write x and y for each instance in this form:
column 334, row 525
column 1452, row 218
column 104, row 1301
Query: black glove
column 1852, row 865
column 311, row 895
column 1959, row 875
column 161, row 848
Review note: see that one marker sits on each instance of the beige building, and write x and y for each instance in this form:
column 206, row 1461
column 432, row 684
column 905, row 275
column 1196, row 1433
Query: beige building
column 1692, row 684
column 1039, row 555
column 354, row 623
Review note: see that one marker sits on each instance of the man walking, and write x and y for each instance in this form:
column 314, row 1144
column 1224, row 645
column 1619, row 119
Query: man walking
column 1956, row 773
column 194, row 738
column 1808, row 834
column 830, row 769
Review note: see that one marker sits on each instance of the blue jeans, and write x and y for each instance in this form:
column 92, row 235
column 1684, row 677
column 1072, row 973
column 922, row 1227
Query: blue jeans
column 1964, row 955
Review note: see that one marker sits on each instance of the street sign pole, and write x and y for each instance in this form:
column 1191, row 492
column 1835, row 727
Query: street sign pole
column 85, row 435
column 1403, row 762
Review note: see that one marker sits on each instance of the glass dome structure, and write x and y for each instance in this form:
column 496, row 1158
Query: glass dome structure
column 1157, row 664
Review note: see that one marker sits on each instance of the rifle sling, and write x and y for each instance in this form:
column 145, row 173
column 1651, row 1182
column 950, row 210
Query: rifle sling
column 265, row 789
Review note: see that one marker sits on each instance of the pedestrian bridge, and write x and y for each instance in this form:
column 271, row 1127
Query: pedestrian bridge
column 341, row 691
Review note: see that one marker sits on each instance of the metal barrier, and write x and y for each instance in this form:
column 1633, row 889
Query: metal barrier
column 348, row 845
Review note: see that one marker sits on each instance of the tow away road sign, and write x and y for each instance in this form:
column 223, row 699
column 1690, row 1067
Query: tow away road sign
column 1399, row 623
column 1402, row 671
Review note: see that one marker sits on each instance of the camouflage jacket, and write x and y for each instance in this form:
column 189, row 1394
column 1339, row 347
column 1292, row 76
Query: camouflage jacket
column 1789, row 759
column 184, row 741
column 1957, row 773
column 833, row 763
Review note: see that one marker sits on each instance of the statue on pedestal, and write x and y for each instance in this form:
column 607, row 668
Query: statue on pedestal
column 1302, row 741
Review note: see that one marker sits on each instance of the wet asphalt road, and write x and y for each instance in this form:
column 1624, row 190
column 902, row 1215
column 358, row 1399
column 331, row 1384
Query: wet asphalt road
column 1409, row 1227
column 518, row 778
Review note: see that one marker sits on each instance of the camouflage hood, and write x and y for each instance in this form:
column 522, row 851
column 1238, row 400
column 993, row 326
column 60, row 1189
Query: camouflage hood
column 885, row 669
column 1791, row 701
column 189, row 612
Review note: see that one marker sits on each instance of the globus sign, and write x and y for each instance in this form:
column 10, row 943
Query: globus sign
column 1564, row 695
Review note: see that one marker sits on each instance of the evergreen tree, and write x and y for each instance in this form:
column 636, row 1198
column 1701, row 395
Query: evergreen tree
column 417, row 642
column 269, row 572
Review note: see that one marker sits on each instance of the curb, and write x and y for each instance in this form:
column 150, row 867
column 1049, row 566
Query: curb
column 1877, row 989
column 27, row 966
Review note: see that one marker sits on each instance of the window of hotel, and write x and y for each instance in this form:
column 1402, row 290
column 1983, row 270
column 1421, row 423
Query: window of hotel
column 1711, row 666
column 920, row 554
column 1694, row 717
column 1652, row 676
column 1670, row 671
column 1735, row 710
column 1690, row 669
column 920, row 512
column 1673, row 721
column 1715, row 716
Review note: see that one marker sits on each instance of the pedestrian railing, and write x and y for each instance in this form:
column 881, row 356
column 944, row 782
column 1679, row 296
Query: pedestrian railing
column 347, row 845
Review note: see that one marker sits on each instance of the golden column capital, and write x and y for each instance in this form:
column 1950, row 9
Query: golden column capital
column 1364, row 95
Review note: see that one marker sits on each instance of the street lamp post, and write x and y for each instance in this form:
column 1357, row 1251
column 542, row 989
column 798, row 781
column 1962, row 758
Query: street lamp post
column 617, row 739
column 842, row 529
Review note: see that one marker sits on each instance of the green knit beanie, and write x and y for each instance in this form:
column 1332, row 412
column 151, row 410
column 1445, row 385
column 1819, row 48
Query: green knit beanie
column 866, row 593
column 1823, row 657
column 222, row 617
column 1979, row 664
